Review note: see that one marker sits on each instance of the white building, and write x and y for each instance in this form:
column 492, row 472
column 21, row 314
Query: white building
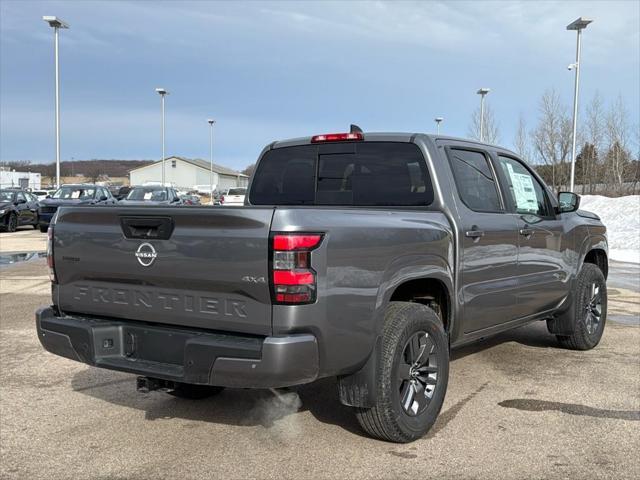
column 13, row 179
column 188, row 174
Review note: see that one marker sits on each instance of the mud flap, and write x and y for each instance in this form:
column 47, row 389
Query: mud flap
column 564, row 323
column 359, row 389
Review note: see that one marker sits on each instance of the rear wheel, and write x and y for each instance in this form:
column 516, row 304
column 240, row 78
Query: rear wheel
column 36, row 220
column 194, row 392
column 12, row 222
column 412, row 376
column 590, row 310
column 44, row 228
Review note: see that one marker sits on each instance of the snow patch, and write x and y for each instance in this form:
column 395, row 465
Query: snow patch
column 621, row 216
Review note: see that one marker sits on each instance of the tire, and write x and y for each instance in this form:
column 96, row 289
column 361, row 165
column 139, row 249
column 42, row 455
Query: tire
column 401, row 415
column 194, row 392
column 12, row 222
column 44, row 228
column 590, row 310
column 36, row 221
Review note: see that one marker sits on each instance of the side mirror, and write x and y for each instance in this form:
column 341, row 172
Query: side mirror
column 102, row 198
column 568, row 202
column 48, row 196
column 20, row 201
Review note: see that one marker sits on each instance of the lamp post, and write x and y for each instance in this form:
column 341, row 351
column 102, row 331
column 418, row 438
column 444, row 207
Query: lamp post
column 577, row 25
column 211, row 121
column 438, row 120
column 482, row 92
column 162, row 92
column 56, row 23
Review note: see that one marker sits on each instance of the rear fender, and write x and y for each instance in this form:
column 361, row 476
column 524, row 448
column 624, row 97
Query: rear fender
column 359, row 389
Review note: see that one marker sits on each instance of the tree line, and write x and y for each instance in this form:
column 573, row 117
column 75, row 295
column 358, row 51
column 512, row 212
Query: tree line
column 607, row 144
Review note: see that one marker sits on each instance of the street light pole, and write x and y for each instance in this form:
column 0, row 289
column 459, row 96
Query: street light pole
column 211, row 121
column 577, row 25
column 162, row 92
column 56, row 23
column 438, row 120
column 482, row 92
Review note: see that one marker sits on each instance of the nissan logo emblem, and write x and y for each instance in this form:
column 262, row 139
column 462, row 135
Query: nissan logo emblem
column 146, row 254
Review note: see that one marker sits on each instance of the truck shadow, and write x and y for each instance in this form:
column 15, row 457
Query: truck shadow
column 251, row 408
column 236, row 407
column 530, row 335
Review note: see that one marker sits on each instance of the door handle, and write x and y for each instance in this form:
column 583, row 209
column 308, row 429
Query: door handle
column 526, row 232
column 474, row 233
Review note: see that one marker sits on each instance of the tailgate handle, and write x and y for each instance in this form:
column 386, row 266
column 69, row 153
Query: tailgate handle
column 158, row 228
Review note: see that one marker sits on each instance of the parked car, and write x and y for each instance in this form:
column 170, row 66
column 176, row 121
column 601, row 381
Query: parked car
column 42, row 194
column 234, row 197
column 190, row 199
column 367, row 257
column 120, row 192
column 17, row 208
column 217, row 195
column 82, row 194
column 152, row 195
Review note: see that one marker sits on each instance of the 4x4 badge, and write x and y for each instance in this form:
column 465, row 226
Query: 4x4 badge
column 146, row 254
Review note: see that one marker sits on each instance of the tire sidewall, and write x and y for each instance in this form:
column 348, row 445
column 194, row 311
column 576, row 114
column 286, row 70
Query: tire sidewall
column 12, row 223
column 588, row 275
column 425, row 320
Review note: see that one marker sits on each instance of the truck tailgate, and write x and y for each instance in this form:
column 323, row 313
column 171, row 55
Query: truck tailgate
column 195, row 267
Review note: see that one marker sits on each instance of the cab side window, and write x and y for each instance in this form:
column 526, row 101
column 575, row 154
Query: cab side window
column 528, row 195
column 475, row 180
column 20, row 196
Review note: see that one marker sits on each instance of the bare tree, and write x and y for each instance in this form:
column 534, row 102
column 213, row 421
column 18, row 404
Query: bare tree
column 17, row 165
column 618, row 154
column 491, row 132
column 521, row 139
column 248, row 171
column 552, row 137
column 93, row 170
column 593, row 133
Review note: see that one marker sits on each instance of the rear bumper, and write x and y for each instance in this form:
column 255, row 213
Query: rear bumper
column 181, row 355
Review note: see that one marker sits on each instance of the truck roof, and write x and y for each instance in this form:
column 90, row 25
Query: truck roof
column 388, row 137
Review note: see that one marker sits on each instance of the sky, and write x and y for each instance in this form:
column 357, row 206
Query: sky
column 275, row 70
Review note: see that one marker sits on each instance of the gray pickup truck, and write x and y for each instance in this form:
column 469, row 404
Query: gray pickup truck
column 364, row 256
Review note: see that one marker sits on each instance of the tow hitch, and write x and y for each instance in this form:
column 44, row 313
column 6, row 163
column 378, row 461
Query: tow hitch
column 147, row 384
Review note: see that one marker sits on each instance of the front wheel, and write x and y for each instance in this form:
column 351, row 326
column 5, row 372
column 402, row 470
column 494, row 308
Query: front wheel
column 44, row 228
column 590, row 310
column 12, row 223
column 36, row 221
column 412, row 377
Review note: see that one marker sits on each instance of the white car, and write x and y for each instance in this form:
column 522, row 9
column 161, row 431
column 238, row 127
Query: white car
column 42, row 194
column 234, row 197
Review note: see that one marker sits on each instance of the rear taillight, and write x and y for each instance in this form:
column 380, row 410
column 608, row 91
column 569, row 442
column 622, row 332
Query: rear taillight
column 222, row 199
column 293, row 279
column 337, row 137
column 50, row 262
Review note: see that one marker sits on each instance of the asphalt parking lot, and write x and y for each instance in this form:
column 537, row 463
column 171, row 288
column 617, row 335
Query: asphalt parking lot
column 517, row 407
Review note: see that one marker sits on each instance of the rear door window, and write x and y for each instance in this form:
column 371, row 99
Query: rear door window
column 475, row 180
column 371, row 174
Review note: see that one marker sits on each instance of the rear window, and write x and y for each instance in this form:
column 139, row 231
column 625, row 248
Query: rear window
column 237, row 191
column 370, row 174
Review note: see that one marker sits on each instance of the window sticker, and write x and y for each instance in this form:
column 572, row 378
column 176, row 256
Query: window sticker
column 524, row 191
column 148, row 195
column 75, row 194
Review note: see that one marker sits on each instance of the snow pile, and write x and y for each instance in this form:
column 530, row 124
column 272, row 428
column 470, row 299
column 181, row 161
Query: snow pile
column 622, row 219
